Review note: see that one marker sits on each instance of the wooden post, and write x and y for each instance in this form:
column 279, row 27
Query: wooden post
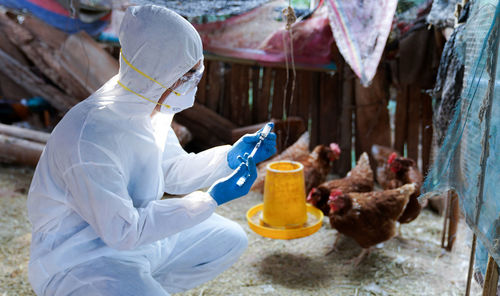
column 491, row 278
column 471, row 265
column 445, row 220
column 454, row 217
column 451, row 219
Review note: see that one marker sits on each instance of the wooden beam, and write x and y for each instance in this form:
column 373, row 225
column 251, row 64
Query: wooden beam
column 214, row 57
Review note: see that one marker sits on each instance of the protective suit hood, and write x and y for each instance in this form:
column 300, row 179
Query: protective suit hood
column 158, row 47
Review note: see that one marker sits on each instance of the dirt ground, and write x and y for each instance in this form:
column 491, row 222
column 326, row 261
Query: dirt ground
column 416, row 266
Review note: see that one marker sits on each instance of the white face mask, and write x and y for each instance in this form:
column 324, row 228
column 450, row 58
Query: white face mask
column 179, row 103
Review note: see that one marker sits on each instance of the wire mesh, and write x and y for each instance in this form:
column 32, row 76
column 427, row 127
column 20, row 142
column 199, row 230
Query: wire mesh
column 469, row 160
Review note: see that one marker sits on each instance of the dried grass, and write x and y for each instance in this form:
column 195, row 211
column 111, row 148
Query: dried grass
column 276, row 267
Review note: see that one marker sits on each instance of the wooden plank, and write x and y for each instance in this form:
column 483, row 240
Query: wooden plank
column 34, row 84
column 304, row 93
column 413, row 140
column 293, row 94
column 225, row 102
column 426, row 132
column 278, row 94
column 244, row 85
column 255, row 78
column 328, row 105
column 215, row 84
column 201, row 94
column 372, row 116
column 401, row 119
column 315, row 107
column 345, row 126
column 263, row 113
column 236, row 95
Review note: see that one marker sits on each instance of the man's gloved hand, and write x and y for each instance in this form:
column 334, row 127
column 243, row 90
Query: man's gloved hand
column 246, row 144
column 225, row 189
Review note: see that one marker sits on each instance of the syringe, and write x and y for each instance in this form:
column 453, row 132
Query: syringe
column 262, row 137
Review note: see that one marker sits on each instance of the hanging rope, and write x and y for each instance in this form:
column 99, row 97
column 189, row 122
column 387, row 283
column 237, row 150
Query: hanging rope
column 290, row 18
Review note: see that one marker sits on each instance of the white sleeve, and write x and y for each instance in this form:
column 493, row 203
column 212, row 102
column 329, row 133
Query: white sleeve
column 186, row 172
column 98, row 193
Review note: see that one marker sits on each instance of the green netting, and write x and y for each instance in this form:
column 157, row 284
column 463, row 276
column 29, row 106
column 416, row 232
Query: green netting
column 469, row 159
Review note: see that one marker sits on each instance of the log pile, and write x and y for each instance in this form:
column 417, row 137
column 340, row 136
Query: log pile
column 42, row 61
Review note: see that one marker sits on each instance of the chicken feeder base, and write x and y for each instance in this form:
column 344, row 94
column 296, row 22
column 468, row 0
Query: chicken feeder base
column 313, row 224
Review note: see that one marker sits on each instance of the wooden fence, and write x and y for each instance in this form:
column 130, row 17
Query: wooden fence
column 334, row 106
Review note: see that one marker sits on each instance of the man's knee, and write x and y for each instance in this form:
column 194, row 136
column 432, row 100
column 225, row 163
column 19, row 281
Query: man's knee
column 233, row 237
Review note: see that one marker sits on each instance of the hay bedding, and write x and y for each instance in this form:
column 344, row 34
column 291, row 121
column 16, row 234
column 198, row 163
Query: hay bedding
column 275, row 267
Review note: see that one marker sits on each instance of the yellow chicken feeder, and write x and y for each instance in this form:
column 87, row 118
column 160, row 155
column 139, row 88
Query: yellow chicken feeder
column 284, row 213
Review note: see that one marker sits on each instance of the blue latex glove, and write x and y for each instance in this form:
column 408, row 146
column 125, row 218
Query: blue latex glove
column 246, row 144
column 225, row 189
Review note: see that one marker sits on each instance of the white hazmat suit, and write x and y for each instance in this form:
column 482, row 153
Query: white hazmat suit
column 99, row 224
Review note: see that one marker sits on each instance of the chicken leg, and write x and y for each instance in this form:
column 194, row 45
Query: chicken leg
column 335, row 244
column 360, row 257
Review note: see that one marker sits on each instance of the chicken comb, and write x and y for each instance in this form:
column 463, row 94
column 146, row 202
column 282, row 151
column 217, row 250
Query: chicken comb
column 335, row 148
column 335, row 193
column 392, row 157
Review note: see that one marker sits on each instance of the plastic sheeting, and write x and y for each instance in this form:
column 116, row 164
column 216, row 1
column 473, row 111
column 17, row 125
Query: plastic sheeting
column 361, row 28
column 54, row 14
column 469, row 160
column 260, row 35
column 449, row 82
column 193, row 8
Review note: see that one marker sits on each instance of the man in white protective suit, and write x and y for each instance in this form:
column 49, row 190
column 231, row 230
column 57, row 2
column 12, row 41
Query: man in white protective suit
column 100, row 226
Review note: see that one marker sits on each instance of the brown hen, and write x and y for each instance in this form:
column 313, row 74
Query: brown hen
column 369, row 218
column 383, row 174
column 406, row 172
column 359, row 179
